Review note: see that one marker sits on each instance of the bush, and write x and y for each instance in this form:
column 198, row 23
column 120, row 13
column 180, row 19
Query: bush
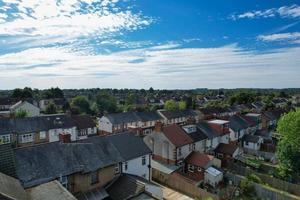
column 247, row 187
column 254, row 178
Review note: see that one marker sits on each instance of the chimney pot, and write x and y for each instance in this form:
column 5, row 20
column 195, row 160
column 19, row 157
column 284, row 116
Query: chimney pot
column 158, row 127
column 65, row 137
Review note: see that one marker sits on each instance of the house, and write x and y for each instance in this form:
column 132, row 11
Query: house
column 270, row 118
column 196, row 163
column 222, row 128
column 85, row 126
column 226, row 152
column 214, row 112
column 213, row 176
column 120, row 122
column 213, row 139
column 58, row 102
column 252, row 142
column 198, row 136
column 258, row 106
column 238, row 128
column 5, row 104
column 251, row 123
column 257, row 117
column 79, row 167
column 280, row 102
column 180, row 117
column 169, row 144
column 45, row 128
column 30, row 109
column 135, row 153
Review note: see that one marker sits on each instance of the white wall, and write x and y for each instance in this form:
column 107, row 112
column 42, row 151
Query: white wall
column 224, row 139
column 185, row 151
column 54, row 134
column 135, row 167
column 29, row 108
column 105, row 125
column 200, row 146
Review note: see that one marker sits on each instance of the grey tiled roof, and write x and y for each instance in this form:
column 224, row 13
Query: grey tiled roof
column 7, row 160
column 207, row 130
column 128, row 117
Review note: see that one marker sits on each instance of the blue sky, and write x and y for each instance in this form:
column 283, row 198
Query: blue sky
column 142, row 43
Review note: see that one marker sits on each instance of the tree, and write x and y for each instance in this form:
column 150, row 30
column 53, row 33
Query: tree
column 50, row 109
column 106, row 102
column 20, row 114
column 182, row 105
column 53, row 93
column 151, row 90
column 288, row 148
column 22, row 93
column 171, row 105
column 81, row 104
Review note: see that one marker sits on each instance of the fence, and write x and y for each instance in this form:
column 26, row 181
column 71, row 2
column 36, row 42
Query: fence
column 273, row 182
column 262, row 191
column 266, row 155
column 181, row 184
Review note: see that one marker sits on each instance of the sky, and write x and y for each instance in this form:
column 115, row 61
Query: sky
column 164, row 44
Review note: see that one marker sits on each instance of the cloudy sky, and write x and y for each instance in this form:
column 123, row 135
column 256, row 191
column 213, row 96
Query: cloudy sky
column 143, row 43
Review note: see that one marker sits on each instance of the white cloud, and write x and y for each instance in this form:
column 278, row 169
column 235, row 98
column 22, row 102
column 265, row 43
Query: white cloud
column 68, row 19
column 287, row 37
column 157, row 66
column 284, row 11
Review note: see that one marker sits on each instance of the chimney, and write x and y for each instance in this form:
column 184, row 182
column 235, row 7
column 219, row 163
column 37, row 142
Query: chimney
column 158, row 127
column 65, row 138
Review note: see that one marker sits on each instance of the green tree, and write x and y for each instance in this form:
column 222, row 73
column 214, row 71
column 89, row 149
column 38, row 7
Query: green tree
column 288, row 148
column 171, row 105
column 50, row 109
column 20, row 114
column 81, row 104
column 106, row 102
column 182, row 105
column 53, row 93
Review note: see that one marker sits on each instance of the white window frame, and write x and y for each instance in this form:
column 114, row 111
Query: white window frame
column 26, row 138
column 42, row 135
column 4, row 139
column 144, row 161
column 191, row 168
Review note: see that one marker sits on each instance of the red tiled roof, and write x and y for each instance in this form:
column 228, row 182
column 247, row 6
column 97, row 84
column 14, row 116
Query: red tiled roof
column 176, row 135
column 199, row 159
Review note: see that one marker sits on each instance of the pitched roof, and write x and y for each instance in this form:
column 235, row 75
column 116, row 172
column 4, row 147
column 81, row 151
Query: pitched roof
column 228, row 149
column 236, row 123
column 207, row 130
column 42, row 163
column 199, row 159
column 129, row 145
column 83, row 121
column 148, row 116
column 176, row 135
column 120, row 118
column 125, row 187
column 11, row 188
column 49, row 191
column 172, row 114
column 198, row 135
column 7, row 160
column 251, row 138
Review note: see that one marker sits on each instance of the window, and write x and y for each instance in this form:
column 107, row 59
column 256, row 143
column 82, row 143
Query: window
column 191, row 168
column 192, row 147
column 42, row 135
column 220, row 155
column 179, row 151
column 144, row 160
column 126, row 166
column 4, row 139
column 94, row 178
column 117, row 169
column 26, row 138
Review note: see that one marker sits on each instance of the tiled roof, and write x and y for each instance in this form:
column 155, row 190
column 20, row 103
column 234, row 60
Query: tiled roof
column 176, row 135
column 198, row 135
column 236, row 123
column 251, row 138
column 207, row 130
column 199, row 159
column 172, row 114
column 7, row 160
column 228, row 149
column 83, row 121
column 12, row 188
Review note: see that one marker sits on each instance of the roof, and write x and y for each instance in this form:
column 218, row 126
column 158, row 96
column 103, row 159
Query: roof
column 7, row 160
column 176, row 135
column 165, row 168
column 213, row 171
column 5, row 101
column 46, row 162
column 11, row 188
column 120, row 118
column 38, row 123
column 83, row 121
column 207, row 130
column 198, row 135
column 129, row 145
column 172, row 114
column 95, row 194
column 251, row 138
column 199, row 159
column 213, row 110
column 248, row 120
column 236, row 123
column 148, row 116
column 228, row 149
column 49, row 191
column 125, row 187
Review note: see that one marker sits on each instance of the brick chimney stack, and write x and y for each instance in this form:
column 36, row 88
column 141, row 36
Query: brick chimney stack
column 158, row 127
column 65, row 138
